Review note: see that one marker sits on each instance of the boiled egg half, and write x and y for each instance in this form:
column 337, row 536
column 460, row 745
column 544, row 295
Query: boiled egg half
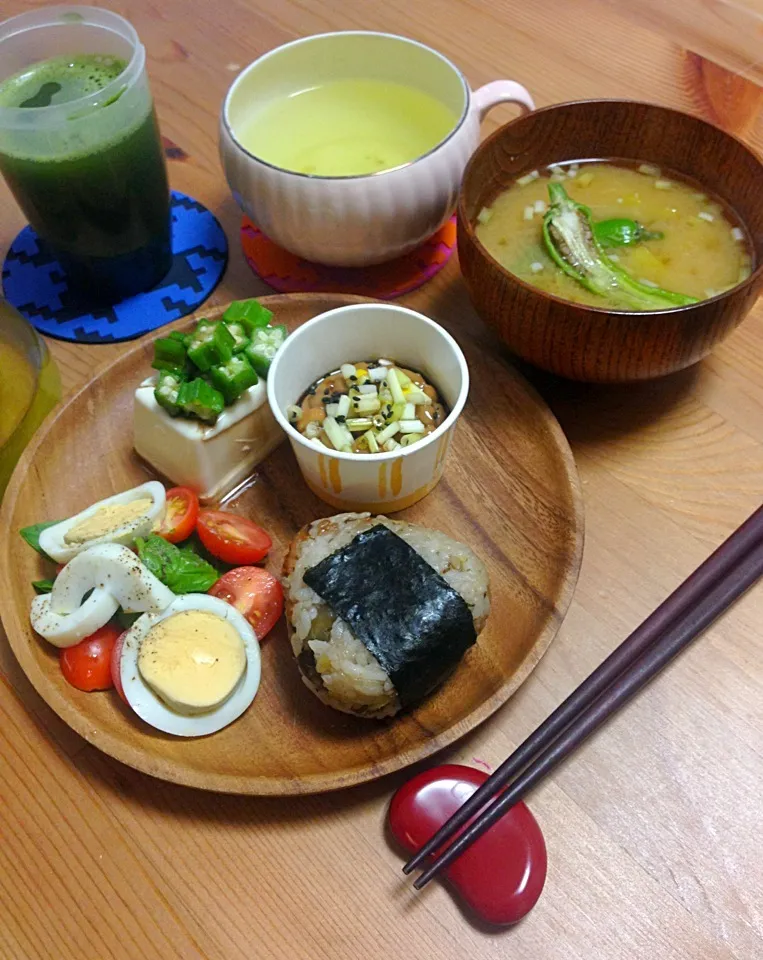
column 192, row 669
column 118, row 519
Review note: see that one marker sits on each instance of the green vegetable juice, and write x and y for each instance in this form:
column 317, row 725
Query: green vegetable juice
column 94, row 184
column 346, row 127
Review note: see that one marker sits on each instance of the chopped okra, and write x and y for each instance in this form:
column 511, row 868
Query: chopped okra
column 200, row 399
column 210, row 345
column 209, row 368
column 263, row 348
column 233, row 377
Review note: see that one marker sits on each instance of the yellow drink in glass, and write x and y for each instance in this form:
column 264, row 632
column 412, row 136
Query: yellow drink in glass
column 29, row 387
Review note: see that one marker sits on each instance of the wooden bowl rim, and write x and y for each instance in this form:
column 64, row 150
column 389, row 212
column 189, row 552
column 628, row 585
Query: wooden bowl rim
column 465, row 225
column 135, row 756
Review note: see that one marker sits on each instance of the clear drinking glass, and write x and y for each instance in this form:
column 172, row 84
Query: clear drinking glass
column 80, row 146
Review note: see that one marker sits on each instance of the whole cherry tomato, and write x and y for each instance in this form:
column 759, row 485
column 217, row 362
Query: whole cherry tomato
column 87, row 665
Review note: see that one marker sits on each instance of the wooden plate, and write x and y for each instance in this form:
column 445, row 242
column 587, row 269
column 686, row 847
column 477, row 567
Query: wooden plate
column 510, row 490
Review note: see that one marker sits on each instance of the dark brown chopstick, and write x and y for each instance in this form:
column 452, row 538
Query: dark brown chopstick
column 734, row 566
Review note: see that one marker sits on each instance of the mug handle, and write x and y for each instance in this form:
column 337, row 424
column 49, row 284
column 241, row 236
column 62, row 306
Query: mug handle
column 502, row 91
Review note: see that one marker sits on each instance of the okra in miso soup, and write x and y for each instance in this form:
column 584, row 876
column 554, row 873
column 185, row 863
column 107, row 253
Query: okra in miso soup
column 616, row 235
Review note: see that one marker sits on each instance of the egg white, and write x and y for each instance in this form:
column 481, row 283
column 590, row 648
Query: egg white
column 67, row 629
column 116, row 577
column 52, row 538
column 153, row 709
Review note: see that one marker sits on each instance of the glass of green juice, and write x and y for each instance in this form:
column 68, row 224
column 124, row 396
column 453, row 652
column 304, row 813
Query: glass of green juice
column 29, row 387
column 80, row 147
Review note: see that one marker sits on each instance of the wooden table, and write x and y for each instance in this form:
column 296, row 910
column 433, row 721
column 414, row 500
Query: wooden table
column 653, row 830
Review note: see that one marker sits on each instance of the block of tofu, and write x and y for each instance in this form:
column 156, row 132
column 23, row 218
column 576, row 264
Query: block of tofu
column 211, row 459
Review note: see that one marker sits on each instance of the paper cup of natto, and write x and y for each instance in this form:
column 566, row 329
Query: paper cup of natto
column 387, row 481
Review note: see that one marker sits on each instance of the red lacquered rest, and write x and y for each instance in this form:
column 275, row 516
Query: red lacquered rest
column 501, row 876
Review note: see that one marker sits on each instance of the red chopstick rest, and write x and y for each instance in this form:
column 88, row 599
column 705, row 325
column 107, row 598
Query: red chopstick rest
column 501, row 876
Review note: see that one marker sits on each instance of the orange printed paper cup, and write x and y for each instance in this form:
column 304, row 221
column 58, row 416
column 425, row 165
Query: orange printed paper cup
column 382, row 482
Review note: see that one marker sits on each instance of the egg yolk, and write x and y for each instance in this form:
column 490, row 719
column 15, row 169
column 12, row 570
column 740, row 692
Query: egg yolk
column 193, row 660
column 107, row 519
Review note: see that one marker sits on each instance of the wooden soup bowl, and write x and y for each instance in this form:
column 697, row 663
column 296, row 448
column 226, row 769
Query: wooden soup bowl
column 589, row 343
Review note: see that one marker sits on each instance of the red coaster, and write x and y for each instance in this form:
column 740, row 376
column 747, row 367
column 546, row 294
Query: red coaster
column 288, row 273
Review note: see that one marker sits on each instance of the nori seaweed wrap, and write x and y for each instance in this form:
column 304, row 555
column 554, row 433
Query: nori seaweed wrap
column 399, row 607
column 381, row 611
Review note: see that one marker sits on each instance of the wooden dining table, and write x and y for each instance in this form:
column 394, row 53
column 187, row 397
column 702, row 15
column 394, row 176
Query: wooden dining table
column 653, row 828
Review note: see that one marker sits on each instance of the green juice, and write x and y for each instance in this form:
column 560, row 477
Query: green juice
column 94, row 186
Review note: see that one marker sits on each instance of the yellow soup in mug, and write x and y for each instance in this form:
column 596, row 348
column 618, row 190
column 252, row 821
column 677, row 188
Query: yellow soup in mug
column 701, row 249
column 346, row 128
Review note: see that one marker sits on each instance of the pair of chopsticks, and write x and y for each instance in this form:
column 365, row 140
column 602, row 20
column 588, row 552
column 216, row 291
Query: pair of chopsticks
column 687, row 612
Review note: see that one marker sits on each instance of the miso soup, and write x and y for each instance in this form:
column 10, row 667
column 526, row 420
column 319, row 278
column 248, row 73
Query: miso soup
column 692, row 243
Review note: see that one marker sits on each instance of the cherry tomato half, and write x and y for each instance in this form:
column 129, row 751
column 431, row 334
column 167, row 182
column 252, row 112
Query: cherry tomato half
column 255, row 593
column 114, row 665
column 87, row 665
column 180, row 516
column 231, row 538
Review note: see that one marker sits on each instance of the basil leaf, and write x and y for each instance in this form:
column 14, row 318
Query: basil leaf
column 183, row 571
column 42, row 586
column 32, row 535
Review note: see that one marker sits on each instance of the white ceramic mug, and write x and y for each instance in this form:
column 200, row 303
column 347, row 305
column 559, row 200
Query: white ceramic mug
column 379, row 482
column 356, row 220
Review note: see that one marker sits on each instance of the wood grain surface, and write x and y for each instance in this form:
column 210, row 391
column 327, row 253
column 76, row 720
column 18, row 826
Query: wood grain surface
column 653, row 830
column 521, row 511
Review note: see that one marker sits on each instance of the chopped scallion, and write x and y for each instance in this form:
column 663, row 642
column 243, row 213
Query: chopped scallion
column 388, row 432
column 418, row 398
column 528, row 178
column 394, row 386
column 356, row 424
column 366, row 405
column 412, row 426
column 339, row 435
column 397, row 411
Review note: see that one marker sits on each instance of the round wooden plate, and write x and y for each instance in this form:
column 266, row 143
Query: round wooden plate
column 510, row 490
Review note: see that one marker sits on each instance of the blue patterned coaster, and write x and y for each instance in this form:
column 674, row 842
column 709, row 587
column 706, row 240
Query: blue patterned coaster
column 35, row 284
